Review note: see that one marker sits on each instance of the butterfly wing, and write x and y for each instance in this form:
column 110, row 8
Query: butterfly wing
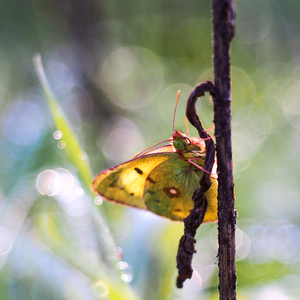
column 125, row 183
column 160, row 182
column 170, row 186
column 161, row 149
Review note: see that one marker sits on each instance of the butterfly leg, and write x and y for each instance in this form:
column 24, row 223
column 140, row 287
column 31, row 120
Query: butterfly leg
column 190, row 160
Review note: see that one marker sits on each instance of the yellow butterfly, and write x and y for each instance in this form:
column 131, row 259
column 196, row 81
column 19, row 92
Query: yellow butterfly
column 161, row 180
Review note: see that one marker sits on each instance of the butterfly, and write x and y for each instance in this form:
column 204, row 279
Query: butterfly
column 161, row 180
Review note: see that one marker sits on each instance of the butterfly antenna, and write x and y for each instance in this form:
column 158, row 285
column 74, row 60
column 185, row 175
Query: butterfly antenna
column 145, row 150
column 178, row 95
column 187, row 127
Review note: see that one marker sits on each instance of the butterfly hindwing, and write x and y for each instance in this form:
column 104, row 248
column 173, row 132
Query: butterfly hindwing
column 212, row 201
column 125, row 183
column 170, row 186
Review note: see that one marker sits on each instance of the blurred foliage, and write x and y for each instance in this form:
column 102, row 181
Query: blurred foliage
column 114, row 68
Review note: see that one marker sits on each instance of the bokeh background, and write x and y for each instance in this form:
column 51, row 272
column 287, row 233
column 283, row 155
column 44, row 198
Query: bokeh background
column 115, row 68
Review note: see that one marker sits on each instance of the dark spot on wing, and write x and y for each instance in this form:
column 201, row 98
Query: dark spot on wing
column 113, row 184
column 172, row 192
column 177, row 210
column 150, row 180
column 157, row 201
column 139, row 171
column 131, row 194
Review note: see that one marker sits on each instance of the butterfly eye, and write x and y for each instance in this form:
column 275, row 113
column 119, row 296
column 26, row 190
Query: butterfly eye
column 178, row 144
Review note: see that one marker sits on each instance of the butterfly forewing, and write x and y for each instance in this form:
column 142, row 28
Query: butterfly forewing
column 125, row 183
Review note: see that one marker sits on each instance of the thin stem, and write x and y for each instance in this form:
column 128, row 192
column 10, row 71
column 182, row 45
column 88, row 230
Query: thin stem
column 186, row 247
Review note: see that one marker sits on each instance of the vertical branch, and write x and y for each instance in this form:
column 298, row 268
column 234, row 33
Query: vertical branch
column 223, row 31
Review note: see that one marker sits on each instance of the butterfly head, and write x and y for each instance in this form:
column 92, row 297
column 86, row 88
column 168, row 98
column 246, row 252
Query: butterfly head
column 187, row 146
column 180, row 141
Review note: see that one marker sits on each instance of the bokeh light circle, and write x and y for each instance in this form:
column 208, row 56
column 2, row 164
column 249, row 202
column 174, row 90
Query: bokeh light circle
column 131, row 77
column 250, row 128
column 49, row 183
column 243, row 245
column 101, row 290
column 6, row 240
column 291, row 103
column 122, row 142
column 98, row 200
column 127, row 272
column 191, row 288
column 167, row 101
column 61, row 144
column 254, row 20
column 67, row 180
column 23, row 123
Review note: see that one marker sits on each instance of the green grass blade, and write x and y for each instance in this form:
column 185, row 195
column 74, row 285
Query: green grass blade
column 72, row 148
column 74, row 153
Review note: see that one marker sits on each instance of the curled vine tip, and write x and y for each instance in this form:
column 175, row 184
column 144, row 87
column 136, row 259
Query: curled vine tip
column 186, row 247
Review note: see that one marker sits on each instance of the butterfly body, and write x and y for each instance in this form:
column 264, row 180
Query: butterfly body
column 162, row 180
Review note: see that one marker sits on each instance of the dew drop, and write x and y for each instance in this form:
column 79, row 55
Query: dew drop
column 119, row 252
column 83, row 155
column 127, row 272
column 57, row 135
column 126, row 278
column 61, row 144
column 98, row 200
column 122, row 265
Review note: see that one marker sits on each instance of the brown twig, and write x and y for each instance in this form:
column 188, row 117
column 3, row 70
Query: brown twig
column 186, row 247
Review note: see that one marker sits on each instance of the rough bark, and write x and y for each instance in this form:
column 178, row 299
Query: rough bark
column 223, row 30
